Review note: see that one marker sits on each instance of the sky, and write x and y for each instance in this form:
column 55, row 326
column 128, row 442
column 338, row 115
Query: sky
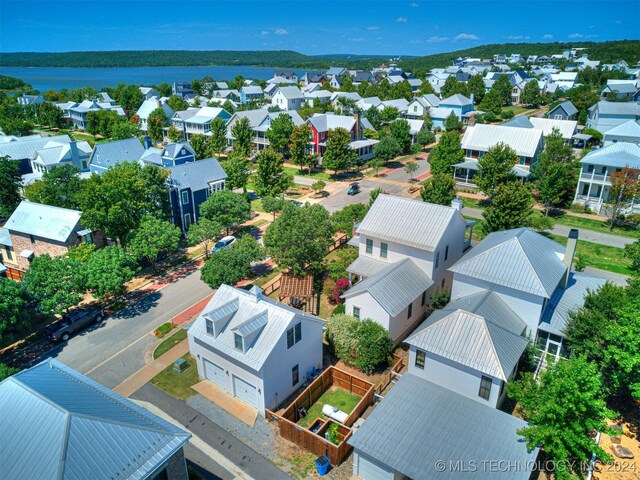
column 389, row 27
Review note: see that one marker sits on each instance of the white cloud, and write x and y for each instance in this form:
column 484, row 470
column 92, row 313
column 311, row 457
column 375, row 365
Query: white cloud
column 264, row 33
column 401, row 20
column 547, row 36
column 518, row 37
column 575, row 35
column 436, row 39
column 414, row 5
column 281, row 31
column 466, row 36
column 373, row 28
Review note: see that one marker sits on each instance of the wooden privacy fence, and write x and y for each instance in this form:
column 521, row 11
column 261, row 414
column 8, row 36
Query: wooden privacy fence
column 315, row 442
column 389, row 376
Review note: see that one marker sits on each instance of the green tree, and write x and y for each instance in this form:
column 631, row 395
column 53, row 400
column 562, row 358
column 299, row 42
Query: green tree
column 491, row 103
column 374, row 194
column 201, row 145
column 218, row 137
column 446, row 153
column 388, row 114
column 59, row 187
column 6, row 371
column 57, row 283
column 387, row 149
column 402, row 90
column 226, row 208
column 495, row 168
column 10, row 179
column 376, row 164
column 425, row 137
column 401, row 131
column 299, row 147
column 270, row 179
column 563, row 409
column 375, row 118
column 156, row 122
column 410, row 168
column 344, row 220
column 556, row 171
column 511, row 207
column 279, row 133
column 153, row 237
column 123, row 130
column 230, row 266
column 50, row 115
column 439, row 189
column 531, row 94
column 452, row 86
column 177, row 104
column 16, row 310
column 242, row 134
column 318, row 186
column 238, row 170
column 426, row 88
column 477, row 87
column 174, row 134
column 554, row 184
column 107, row 270
column 273, row 205
column 129, row 97
column 503, row 88
column 338, row 155
column 625, row 186
column 299, row 236
column 204, row 232
column 451, row 123
column 632, row 252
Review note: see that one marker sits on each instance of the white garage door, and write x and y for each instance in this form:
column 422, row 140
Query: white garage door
column 214, row 373
column 370, row 469
column 245, row 391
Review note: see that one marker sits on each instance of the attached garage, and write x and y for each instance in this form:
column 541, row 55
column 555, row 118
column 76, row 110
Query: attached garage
column 245, row 391
column 370, row 469
column 215, row 373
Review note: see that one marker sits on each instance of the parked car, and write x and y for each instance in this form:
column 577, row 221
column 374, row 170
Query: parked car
column 71, row 322
column 223, row 243
column 353, row 188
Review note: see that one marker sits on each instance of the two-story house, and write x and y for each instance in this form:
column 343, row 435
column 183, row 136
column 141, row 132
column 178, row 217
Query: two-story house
column 322, row 123
column 24, row 149
column 287, row 98
column 55, row 154
column 169, row 155
column 148, row 92
column 259, row 122
column 149, row 106
column 400, row 258
column 79, row 111
column 594, row 182
column 108, row 154
column 628, row 132
column 254, row 348
column 251, row 93
column 30, row 100
column 567, row 128
column 563, row 111
column 604, row 115
column 198, row 120
column 421, row 106
column 458, row 104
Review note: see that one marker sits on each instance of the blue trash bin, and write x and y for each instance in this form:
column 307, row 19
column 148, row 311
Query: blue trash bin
column 322, row 465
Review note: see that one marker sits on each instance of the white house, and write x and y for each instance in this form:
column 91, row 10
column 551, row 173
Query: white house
column 149, row 106
column 287, row 98
column 256, row 349
column 405, row 247
column 628, row 132
column 603, row 116
column 149, row 92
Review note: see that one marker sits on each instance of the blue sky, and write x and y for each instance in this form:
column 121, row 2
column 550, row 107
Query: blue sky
column 396, row 27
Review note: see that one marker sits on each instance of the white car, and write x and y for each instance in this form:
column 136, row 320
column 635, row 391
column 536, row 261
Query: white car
column 223, row 243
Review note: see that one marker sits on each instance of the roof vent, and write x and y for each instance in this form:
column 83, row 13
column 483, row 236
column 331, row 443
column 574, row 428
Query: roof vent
column 256, row 293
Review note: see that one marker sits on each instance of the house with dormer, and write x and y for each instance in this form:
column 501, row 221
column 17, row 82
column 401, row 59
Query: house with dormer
column 323, row 123
column 254, row 348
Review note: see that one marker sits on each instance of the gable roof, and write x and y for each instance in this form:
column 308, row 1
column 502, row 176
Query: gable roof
column 173, row 149
column 196, row 175
column 150, row 105
column 45, row 221
column 467, row 431
column 394, row 287
column 519, row 259
column 323, row 122
column 604, row 107
column 525, row 141
column 619, row 155
column 630, row 128
column 408, row 222
column 290, row 93
column 74, row 418
column 109, row 154
column 25, row 148
column 457, row 100
column 567, row 128
column 250, row 305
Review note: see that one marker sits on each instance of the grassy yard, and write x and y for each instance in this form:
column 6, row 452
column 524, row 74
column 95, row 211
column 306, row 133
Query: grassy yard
column 176, row 384
column 336, row 397
column 516, row 110
column 611, row 259
column 170, row 342
column 305, row 173
column 256, row 205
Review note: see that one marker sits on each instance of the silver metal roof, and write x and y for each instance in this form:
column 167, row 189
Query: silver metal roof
column 409, row 222
column 568, row 107
column 366, row 266
column 22, row 149
column 60, row 424
column 457, row 100
column 394, row 287
column 279, row 318
column 251, row 325
column 554, row 318
column 481, row 137
column 109, row 154
column 618, row 155
column 5, row 238
column 419, row 423
column 519, row 259
column 631, row 109
column 626, row 129
column 197, row 175
column 45, row 221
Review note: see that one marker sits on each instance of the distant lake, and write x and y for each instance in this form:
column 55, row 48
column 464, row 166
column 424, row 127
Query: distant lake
column 57, row 78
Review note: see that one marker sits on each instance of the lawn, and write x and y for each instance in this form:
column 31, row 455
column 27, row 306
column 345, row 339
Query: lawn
column 597, row 226
column 336, row 397
column 256, row 205
column 305, row 173
column 516, row 110
column 176, row 384
column 611, row 259
column 170, row 342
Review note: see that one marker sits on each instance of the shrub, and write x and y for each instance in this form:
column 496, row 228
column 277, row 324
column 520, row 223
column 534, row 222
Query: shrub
column 490, row 117
column 339, row 309
column 540, row 223
column 7, row 371
column 634, row 218
column 579, row 264
column 439, row 298
column 337, row 268
column 507, row 114
column 341, row 286
column 579, row 208
column 333, row 433
column 163, row 329
column 338, row 335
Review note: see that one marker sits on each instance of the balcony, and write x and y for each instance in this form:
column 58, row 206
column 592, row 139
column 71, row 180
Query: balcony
column 260, row 140
column 593, row 177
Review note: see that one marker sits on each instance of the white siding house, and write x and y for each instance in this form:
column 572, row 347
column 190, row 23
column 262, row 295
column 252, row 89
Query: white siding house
column 287, row 98
column 256, row 349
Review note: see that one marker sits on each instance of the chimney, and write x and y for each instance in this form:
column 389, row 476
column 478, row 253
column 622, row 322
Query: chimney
column 356, row 116
column 147, row 142
column 473, row 99
column 569, row 252
column 457, row 204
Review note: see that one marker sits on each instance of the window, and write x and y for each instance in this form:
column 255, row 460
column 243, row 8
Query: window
column 185, row 197
column 409, row 311
column 294, row 335
column 384, row 248
column 187, row 220
column 424, row 298
column 238, row 341
column 420, row 357
column 209, row 324
column 295, row 377
column 369, row 246
column 437, row 260
column 446, row 253
column 33, row 239
column 356, row 313
column 485, row 387
column 216, row 187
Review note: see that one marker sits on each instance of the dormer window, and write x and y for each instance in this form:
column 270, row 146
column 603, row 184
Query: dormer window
column 238, row 342
column 209, row 324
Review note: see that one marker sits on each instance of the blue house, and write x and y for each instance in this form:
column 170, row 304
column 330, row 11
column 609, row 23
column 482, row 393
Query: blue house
column 604, row 115
column 107, row 155
column 458, row 104
column 170, row 155
column 250, row 93
column 190, row 184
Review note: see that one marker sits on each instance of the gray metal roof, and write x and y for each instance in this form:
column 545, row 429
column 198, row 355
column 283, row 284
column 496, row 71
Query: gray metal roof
column 568, row 107
column 279, row 317
column 626, row 129
column 63, row 425
column 419, row 423
column 554, row 318
column 519, row 259
column 109, row 154
column 408, row 222
column 197, row 175
column 471, row 340
column 457, row 100
column 631, row 109
column 525, row 141
column 618, row 155
column 22, row 149
column 366, row 266
column 45, row 221
column 394, row 287
column 291, row 93
column 5, row 238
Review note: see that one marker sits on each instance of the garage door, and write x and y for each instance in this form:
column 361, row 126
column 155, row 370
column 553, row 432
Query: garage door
column 214, row 373
column 245, row 392
column 370, row 469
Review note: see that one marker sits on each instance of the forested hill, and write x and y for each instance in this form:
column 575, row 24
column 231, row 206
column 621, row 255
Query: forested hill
column 606, row 52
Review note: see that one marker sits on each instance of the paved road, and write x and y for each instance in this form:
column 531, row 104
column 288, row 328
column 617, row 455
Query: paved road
column 562, row 230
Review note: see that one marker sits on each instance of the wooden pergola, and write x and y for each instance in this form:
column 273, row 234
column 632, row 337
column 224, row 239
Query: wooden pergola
column 298, row 292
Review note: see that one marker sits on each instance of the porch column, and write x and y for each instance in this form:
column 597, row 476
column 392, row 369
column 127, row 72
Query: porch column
column 466, row 180
column 602, row 191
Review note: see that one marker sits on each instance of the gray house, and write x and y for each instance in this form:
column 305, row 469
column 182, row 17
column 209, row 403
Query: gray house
column 60, row 424
column 564, row 111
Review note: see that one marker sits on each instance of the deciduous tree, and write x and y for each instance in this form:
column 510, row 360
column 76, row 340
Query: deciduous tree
column 59, row 187
column 451, row 123
column 439, row 189
column 229, row 266
column 387, row 149
column 238, row 169
column 201, row 145
column 218, row 136
column 107, row 270
column 446, row 153
column 511, row 207
column 153, row 237
column 204, row 232
column 425, row 137
column 531, row 94
column 226, row 208
column 344, row 220
column 411, row 168
column 270, row 178
column 279, row 133
column 299, row 147
column 273, row 205
column 338, row 155
column 625, row 185
column 242, row 134
column 16, row 309
column 401, row 131
column 10, row 179
column 495, row 168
